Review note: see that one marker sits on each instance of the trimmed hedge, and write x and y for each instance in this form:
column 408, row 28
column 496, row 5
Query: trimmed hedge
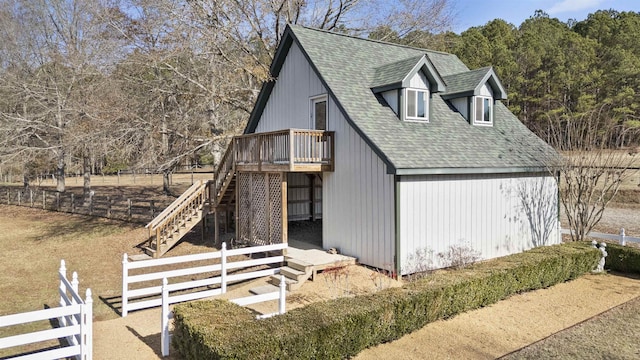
column 343, row 327
column 625, row 259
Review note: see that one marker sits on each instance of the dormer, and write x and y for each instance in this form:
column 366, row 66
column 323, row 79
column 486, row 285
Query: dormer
column 474, row 93
column 406, row 86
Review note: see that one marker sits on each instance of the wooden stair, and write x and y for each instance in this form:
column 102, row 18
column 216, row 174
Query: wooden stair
column 177, row 219
column 296, row 273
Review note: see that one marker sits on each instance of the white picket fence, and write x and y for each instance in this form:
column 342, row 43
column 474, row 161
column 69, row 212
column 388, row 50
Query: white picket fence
column 74, row 324
column 136, row 299
column 622, row 238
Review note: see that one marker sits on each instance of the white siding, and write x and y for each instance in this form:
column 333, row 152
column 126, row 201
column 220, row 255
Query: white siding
column 288, row 105
column 391, row 97
column 461, row 104
column 484, row 212
column 486, row 90
column 358, row 197
column 358, row 200
column 419, row 81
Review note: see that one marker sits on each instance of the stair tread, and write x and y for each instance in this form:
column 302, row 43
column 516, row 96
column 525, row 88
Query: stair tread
column 292, row 271
column 286, row 279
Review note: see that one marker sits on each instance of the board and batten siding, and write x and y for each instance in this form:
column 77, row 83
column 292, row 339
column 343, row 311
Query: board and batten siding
column 358, row 196
column 358, row 199
column 288, row 105
column 487, row 213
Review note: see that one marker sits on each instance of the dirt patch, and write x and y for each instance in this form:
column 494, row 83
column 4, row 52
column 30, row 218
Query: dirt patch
column 511, row 324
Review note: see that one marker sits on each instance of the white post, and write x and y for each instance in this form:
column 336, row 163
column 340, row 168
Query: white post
column 63, row 274
column 283, row 292
column 73, row 320
column 164, row 334
column 86, row 328
column 223, row 266
column 623, row 240
column 125, row 273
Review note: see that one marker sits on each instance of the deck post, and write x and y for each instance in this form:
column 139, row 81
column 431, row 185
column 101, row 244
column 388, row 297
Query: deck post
column 216, row 228
column 285, row 223
column 291, row 149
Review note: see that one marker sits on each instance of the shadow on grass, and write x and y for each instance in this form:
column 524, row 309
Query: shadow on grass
column 154, row 342
column 83, row 226
column 113, row 302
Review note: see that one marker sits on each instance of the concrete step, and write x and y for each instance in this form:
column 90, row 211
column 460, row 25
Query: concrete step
column 292, row 284
column 264, row 289
column 295, row 274
column 299, row 265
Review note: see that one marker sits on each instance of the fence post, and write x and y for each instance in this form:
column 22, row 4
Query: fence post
column 73, row 203
column 152, row 209
column 86, row 327
column 623, row 240
column 8, row 197
column 62, row 273
column 74, row 287
column 125, row 274
column 31, row 197
column 223, row 267
column 164, row 334
column 19, row 197
column 44, row 200
column 91, row 203
column 57, row 201
column 108, row 207
column 128, row 208
column 283, row 291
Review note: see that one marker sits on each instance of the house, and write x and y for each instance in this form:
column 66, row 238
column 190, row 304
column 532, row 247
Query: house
column 401, row 151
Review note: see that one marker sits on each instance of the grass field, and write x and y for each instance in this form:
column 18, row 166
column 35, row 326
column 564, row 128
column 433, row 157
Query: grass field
column 34, row 241
column 612, row 335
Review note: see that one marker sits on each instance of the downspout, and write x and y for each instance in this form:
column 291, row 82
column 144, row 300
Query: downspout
column 396, row 208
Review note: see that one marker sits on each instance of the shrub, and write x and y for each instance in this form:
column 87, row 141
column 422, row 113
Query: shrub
column 459, row 256
column 343, row 327
column 623, row 258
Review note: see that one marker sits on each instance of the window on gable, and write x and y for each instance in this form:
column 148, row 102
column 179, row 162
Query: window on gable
column 483, row 112
column 417, row 104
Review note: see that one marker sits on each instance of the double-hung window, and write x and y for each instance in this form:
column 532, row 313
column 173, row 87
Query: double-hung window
column 483, row 110
column 417, row 105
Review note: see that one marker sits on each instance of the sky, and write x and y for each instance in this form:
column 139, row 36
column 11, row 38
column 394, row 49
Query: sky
column 479, row 12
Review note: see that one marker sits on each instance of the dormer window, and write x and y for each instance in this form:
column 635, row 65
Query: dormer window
column 417, row 104
column 483, row 110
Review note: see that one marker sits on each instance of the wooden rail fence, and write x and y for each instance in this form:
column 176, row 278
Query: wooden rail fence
column 75, row 324
column 128, row 209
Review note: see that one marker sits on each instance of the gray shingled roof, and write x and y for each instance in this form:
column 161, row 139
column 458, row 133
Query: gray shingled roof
column 350, row 66
column 391, row 73
column 465, row 81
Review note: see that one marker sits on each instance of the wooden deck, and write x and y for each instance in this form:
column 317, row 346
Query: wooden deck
column 289, row 150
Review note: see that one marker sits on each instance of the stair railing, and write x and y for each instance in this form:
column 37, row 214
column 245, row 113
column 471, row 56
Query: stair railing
column 221, row 175
column 184, row 206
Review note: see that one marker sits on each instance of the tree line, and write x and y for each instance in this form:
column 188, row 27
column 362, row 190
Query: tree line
column 555, row 70
column 102, row 85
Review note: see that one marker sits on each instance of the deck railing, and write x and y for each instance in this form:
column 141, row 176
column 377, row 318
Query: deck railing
column 292, row 147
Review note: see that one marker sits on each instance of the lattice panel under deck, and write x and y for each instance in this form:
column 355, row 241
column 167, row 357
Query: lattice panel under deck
column 259, row 210
column 275, row 204
column 244, row 207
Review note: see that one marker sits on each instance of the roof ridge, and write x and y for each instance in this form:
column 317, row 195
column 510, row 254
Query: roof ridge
column 370, row 40
column 484, row 68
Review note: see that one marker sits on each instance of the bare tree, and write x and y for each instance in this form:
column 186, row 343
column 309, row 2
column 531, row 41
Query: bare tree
column 590, row 172
column 58, row 55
